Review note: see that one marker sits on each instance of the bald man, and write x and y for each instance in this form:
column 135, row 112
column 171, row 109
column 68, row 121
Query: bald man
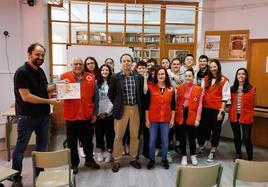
column 80, row 114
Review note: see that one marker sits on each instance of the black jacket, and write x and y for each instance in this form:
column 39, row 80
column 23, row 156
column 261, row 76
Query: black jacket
column 116, row 93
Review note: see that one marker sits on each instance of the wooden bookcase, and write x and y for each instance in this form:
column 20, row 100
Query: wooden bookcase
column 179, row 38
column 112, row 38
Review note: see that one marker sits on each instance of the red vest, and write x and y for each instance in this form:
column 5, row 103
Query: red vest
column 194, row 99
column 80, row 109
column 246, row 107
column 160, row 105
column 213, row 96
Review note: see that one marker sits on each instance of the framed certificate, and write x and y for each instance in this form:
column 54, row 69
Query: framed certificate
column 68, row 91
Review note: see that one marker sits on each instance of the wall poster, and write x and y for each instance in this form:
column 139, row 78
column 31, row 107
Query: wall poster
column 212, row 46
column 237, row 47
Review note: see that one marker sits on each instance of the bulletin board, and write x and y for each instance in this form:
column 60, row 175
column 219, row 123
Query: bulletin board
column 227, row 45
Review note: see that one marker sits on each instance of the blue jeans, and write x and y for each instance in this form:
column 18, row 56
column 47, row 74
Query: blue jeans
column 25, row 126
column 164, row 129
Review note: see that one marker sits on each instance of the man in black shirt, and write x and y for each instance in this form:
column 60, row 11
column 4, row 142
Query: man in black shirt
column 201, row 129
column 32, row 105
column 203, row 69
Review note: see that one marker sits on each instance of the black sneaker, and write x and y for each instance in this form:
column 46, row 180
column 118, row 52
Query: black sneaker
column 116, row 167
column 211, row 156
column 17, row 184
column 135, row 164
column 150, row 164
column 238, row 156
column 92, row 164
column 165, row 164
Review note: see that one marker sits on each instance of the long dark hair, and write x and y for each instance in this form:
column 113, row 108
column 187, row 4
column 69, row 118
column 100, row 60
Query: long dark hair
column 96, row 70
column 100, row 79
column 246, row 87
column 167, row 81
column 210, row 75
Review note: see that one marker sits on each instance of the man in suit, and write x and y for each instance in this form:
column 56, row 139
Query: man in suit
column 125, row 92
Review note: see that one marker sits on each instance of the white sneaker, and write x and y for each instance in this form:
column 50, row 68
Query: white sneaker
column 99, row 157
column 169, row 157
column 108, row 157
column 194, row 160
column 184, row 161
column 81, row 152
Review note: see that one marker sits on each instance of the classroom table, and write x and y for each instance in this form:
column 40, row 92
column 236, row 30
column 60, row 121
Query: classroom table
column 10, row 116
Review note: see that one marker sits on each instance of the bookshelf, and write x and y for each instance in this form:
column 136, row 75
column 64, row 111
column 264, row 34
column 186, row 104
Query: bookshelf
column 152, row 38
column 140, row 54
column 113, row 38
column 179, row 38
column 133, row 38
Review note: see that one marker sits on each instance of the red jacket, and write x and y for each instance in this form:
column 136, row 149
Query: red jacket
column 213, row 95
column 246, row 107
column 160, row 105
column 80, row 109
column 194, row 99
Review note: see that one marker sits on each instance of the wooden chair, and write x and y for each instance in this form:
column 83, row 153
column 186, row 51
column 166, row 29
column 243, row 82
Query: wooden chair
column 250, row 171
column 56, row 176
column 7, row 173
column 204, row 176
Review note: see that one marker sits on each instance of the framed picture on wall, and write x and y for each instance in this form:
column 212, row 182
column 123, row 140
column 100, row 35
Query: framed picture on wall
column 237, row 47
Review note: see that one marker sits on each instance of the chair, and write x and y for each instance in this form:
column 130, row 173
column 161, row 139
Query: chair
column 204, row 176
column 250, row 171
column 53, row 177
column 7, row 173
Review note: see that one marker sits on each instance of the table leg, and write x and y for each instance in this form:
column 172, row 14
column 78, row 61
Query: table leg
column 8, row 131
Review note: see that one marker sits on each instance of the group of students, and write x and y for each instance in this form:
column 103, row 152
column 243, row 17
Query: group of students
column 179, row 98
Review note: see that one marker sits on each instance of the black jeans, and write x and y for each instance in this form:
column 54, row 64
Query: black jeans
column 211, row 126
column 104, row 128
column 83, row 131
column 203, row 130
column 246, row 137
column 187, row 131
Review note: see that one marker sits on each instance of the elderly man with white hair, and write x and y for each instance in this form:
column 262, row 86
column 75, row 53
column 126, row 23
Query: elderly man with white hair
column 80, row 114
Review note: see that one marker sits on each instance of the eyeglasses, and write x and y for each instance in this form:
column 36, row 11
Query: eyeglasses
column 77, row 64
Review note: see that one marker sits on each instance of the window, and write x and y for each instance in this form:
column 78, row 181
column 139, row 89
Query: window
column 151, row 29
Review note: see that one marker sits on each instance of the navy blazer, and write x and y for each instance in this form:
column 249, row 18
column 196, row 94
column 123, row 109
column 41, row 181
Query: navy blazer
column 116, row 93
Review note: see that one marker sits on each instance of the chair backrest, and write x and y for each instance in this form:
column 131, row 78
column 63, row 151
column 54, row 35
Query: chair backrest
column 250, row 171
column 203, row 176
column 51, row 159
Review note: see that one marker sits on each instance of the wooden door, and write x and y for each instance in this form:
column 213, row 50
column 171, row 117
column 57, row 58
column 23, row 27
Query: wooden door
column 259, row 78
column 257, row 70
